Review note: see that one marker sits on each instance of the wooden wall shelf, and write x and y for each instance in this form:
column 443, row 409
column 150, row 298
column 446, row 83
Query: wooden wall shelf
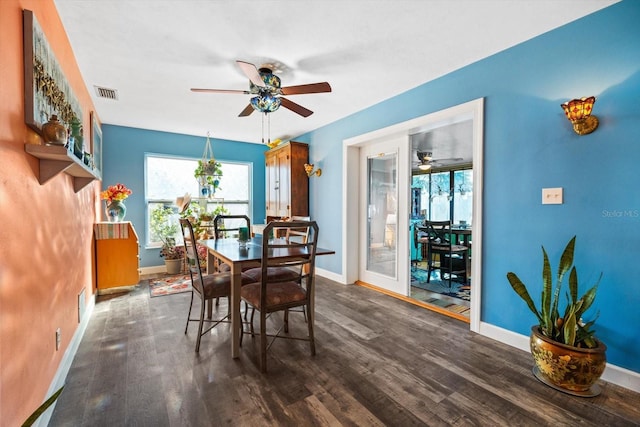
column 55, row 159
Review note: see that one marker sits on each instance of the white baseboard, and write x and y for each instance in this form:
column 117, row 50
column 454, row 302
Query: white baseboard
column 331, row 275
column 65, row 364
column 613, row 374
column 153, row 270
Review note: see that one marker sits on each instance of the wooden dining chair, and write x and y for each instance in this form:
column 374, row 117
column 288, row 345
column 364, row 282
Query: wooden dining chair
column 298, row 234
column 275, row 292
column 206, row 286
column 420, row 243
column 452, row 259
column 227, row 226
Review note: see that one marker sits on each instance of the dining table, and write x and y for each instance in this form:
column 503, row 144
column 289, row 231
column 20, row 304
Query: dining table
column 238, row 257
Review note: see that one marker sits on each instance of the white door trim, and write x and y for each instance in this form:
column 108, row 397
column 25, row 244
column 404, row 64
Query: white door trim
column 350, row 192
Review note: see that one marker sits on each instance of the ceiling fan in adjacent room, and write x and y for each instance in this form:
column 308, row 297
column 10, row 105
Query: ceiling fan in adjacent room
column 426, row 161
column 268, row 91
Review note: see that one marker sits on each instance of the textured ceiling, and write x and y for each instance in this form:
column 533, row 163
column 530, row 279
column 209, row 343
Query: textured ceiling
column 153, row 51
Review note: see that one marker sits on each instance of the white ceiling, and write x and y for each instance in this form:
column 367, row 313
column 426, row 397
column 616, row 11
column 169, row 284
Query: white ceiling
column 153, row 51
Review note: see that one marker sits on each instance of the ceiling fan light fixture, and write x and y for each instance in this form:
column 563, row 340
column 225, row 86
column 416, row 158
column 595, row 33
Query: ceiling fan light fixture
column 265, row 103
column 269, row 78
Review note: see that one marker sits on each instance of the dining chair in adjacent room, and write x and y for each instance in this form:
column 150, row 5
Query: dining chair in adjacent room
column 420, row 243
column 453, row 259
column 206, row 286
column 275, row 292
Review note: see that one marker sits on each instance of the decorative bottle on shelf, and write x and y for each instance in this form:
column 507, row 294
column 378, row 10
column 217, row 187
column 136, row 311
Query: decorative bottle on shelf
column 76, row 133
column 54, row 132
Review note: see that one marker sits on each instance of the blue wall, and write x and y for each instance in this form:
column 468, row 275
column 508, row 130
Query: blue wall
column 123, row 154
column 529, row 145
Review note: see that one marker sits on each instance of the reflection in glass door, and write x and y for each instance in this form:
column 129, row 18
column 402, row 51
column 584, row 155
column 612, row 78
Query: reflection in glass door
column 382, row 204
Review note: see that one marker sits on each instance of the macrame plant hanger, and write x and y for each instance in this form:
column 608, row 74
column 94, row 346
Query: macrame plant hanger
column 208, row 178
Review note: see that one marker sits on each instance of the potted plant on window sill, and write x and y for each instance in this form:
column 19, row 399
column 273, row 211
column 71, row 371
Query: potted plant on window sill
column 173, row 256
column 163, row 228
column 567, row 355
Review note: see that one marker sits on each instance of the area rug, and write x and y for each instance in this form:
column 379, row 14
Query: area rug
column 457, row 290
column 170, row 285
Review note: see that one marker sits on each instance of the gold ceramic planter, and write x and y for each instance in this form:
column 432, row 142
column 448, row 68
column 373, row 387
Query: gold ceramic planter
column 566, row 368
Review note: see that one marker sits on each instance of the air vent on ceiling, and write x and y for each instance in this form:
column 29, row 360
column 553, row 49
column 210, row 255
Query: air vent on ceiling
column 104, row 92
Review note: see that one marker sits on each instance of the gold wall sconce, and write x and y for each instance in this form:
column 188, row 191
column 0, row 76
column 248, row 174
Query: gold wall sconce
column 578, row 111
column 308, row 168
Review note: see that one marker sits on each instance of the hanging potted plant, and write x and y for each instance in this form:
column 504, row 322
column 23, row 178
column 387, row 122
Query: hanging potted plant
column 566, row 352
column 164, row 229
column 208, row 172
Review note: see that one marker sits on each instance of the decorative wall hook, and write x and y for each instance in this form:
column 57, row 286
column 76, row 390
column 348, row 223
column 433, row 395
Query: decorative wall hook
column 308, row 168
column 578, row 111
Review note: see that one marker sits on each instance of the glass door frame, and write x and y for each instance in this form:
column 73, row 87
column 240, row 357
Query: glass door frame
column 472, row 110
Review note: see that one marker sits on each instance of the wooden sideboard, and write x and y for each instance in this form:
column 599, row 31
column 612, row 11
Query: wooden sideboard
column 287, row 183
column 117, row 256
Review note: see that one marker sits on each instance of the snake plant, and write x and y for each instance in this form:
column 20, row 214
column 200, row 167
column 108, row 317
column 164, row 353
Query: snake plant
column 569, row 328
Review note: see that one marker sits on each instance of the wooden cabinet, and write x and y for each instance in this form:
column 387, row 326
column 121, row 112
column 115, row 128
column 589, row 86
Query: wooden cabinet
column 286, row 181
column 117, row 255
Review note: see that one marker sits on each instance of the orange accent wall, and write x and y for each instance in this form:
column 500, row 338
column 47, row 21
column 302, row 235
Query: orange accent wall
column 45, row 230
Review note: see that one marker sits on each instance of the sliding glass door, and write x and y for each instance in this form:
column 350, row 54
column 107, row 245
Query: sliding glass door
column 384, row 212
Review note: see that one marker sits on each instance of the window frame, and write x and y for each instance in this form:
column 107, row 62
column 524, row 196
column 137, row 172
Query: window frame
column 172, row 203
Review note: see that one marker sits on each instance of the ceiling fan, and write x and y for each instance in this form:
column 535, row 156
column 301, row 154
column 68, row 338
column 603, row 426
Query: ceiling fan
column 426, row 161
column 268, row 91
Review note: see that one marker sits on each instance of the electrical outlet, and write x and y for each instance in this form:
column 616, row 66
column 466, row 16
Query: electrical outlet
column 58, row 338
column 552, row 196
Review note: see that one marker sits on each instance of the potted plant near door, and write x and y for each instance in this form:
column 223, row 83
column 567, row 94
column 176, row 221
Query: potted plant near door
column 566, row 352
column 163, row 228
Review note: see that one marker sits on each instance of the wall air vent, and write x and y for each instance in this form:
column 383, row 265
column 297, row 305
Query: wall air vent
column 104, row 92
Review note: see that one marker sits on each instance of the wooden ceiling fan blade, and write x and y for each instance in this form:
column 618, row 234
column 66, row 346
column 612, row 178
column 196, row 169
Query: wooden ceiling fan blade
column 248, row 110
column 296, row 108
column 244, row 92
column 308, row 88
column 251, row 71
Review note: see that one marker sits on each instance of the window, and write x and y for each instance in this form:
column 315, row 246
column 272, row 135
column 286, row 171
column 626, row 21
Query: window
column 167, row 178
column 446, row 195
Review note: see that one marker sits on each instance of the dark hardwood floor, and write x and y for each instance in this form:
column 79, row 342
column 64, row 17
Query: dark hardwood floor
column 380, row 361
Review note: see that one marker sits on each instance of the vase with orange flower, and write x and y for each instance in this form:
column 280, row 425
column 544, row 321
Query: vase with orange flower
column 114, row 197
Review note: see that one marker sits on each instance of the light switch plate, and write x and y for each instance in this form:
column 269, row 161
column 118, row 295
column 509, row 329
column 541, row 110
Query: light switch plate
column 552, row 196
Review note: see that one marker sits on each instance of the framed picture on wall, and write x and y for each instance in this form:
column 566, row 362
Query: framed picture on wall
column 46, row 89
column 96, row 143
